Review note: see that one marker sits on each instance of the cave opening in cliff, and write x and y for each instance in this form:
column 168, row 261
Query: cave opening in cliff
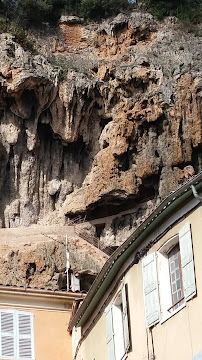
column 45, row 132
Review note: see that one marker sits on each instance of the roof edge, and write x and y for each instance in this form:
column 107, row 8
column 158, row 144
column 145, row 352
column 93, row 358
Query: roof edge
column 39, row 292
column 115, row 262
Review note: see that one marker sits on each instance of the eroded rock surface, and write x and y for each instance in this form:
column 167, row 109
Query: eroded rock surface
column 98, row 128
column 36, row 257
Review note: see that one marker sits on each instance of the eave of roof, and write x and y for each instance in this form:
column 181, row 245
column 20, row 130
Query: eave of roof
column 115, row 262
column 43, row 293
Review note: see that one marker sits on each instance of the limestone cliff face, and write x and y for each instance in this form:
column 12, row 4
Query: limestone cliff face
column 118, row 126
column 35, row 256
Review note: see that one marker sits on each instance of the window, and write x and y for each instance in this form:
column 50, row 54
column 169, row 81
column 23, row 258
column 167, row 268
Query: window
column 16, row 332
column 117, row 327
column 175, row 271
column 169, row 277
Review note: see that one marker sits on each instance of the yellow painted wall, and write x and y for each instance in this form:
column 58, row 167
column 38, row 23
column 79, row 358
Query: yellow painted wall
column 178, row 338
column 52, row 341
column 94, row 346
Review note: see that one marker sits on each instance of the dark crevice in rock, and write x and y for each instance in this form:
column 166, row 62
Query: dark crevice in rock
column 114, row 100
column 118, row 29
column 3, row 162
column 8, row 182
column 112, row 206
column 124, row 162
column 45, row 133
column 31, row 268
column 86, row 281
column 197, row 158
column 79, row 153
column 149, row 188
column 99, row 229
column 104, row 122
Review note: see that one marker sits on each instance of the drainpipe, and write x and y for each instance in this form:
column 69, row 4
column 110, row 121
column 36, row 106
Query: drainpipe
column 195, row 193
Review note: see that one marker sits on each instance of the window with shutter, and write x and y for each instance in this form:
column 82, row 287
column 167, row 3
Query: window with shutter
column 16, row 334
column 150, row 286
column 118, row 336
column 187, row 261
column 25, row 337
column 176, row 277
column 110, row 333
column 8, row 335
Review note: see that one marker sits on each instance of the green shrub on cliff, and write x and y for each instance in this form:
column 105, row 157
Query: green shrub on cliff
column 35, row 12
column 100, row 9
column 31, row 13
column 183, row 9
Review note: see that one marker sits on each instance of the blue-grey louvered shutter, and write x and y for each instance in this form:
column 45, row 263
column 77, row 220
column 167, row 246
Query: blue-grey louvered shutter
column 110, row 333
column 150, row 286
column 25, row 348
column 7, row 334
column 187, row 262
column 125, row 319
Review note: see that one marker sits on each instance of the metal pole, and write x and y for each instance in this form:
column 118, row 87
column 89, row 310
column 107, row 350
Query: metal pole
column 67, row 264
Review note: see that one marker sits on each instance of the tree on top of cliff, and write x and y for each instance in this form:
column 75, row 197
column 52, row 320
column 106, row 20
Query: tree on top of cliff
column 182, row 9
column 99, row 9
column 95, row 9
column 32, row 12
column 35, row 12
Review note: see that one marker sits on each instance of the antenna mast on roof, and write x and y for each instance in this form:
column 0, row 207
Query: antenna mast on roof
column 67, row 264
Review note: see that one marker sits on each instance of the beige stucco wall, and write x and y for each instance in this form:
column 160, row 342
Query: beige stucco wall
column 94, row 346
column 51, row 339
column 178, row 338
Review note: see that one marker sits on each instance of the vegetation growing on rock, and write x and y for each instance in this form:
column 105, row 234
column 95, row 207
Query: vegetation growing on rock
column 182, row 9
column 34, row 13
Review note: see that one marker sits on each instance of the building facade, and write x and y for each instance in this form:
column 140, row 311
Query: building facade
column 34, row 322
column 146, row 303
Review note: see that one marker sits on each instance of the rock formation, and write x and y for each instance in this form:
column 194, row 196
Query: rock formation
column 36, row 257
column 105, row 119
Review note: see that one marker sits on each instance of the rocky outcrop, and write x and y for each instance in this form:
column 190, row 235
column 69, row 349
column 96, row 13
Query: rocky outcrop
column 36, row 257
column 99, row 128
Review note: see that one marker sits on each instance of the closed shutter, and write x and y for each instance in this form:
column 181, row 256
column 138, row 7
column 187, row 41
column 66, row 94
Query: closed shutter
column 25, row 346
column 110, row 333
column 150, row 286
column 7, row 334
column 187, row 262
column 125, row 319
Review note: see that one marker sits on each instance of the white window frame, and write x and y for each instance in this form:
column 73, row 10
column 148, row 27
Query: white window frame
column 118, row 337
column 165, row 295
column 17, row 335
